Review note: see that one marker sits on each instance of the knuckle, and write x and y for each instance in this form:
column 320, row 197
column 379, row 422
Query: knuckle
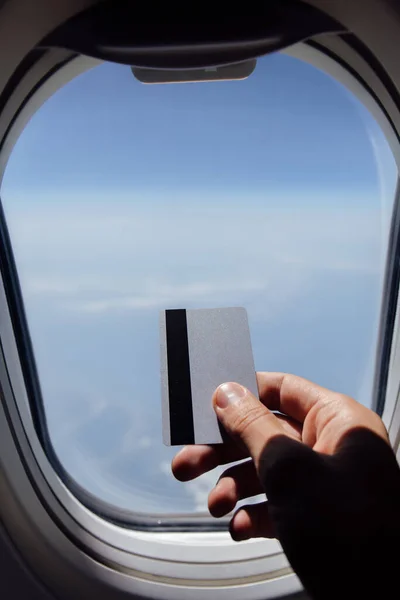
column 380, row 426
column 248, row 417
column 345, row 401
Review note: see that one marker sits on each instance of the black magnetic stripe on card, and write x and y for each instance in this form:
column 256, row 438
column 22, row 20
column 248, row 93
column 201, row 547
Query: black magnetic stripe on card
column 179, row 384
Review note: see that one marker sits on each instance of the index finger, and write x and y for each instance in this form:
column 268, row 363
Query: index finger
column 192, row 461
column 289, row 394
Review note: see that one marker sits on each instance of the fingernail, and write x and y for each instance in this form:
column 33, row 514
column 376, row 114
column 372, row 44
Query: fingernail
column 229, row 393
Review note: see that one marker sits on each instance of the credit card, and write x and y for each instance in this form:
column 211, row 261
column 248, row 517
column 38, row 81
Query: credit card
column 200, row 349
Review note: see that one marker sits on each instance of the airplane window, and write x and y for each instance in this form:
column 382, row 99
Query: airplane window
column 273, row 193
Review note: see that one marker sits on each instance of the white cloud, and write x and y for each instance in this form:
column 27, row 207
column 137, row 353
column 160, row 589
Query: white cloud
column 199, row 488
column 80, row 264
column 132, row 442
column 139, row 257
column 162, row 295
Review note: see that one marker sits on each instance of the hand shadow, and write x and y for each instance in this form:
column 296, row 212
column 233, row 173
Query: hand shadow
column 337, row 517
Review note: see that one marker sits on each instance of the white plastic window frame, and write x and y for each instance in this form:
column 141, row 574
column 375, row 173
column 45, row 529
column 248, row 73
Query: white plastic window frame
column 391, row 411
column 144, row 564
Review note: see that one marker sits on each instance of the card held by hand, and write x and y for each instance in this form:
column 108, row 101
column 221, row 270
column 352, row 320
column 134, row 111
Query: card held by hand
column 200, row 349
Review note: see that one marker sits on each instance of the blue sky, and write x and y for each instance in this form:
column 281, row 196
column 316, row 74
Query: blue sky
column 122, row 199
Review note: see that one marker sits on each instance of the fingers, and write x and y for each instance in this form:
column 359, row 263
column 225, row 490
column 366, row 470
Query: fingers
column 246, row 419
column 193, row 461
column 326, row 415
column 237, row 482
column 291, row 395
column 290, row 426
column 251, row 521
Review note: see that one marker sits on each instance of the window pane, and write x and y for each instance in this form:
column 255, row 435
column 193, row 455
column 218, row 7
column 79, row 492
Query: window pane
column 272, row 193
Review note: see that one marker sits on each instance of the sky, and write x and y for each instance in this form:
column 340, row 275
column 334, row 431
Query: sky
column 123, row 199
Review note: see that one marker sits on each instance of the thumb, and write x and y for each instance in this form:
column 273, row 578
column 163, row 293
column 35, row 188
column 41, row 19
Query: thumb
column 245, row 418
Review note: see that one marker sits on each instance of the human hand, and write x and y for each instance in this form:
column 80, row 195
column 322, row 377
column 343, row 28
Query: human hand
column 330, row 476
column 317, row 417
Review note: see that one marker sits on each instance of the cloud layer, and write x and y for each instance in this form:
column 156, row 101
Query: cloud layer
column 95, row 275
